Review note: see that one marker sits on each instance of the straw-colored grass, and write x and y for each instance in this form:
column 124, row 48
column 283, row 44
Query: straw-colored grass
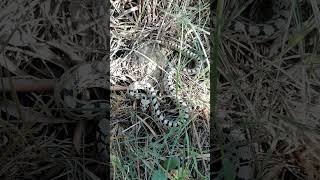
column 272, row 87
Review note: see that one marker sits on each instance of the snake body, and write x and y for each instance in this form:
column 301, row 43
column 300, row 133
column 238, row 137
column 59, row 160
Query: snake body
column 146, row 92
column 77, row 79
column 267, row 30
column 84, row 76
column 72, row 92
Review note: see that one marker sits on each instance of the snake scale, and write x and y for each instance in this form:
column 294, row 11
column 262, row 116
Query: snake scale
column 84, row 76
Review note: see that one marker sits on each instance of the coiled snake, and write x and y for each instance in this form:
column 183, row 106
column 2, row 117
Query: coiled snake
column 73, row 83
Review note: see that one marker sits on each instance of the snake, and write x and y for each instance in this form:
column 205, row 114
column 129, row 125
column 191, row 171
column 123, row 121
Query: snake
column 147, row 93
column 263, row 31
column 73, row 84
column 72, row 92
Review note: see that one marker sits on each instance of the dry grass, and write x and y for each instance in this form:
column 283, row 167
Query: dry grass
column 275, row 95
column 38, row 42
column 146, row 147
